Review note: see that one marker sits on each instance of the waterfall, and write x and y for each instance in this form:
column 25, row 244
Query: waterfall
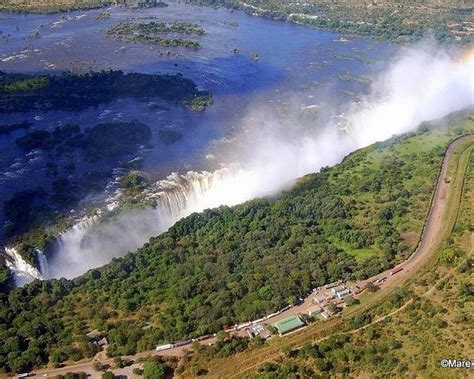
column 274, row 152
column 22, row 271
column 182, row 194
column 94, row 242
column 43, row 264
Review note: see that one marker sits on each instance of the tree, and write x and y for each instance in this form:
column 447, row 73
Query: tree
column 333, row 308
column 118, row 363
column 350, row 300
column 440, row 323
column 321, row 364
column 447, row 255
column 272, row 330
column 222, row 336
column 108, row 375
column 360, row 320
column 137, row 371
column 97, row 366
column 371, row 287
column 153, row 370
column 287, row 351
column 196, row 370
column 466, row 289
column 257, row 342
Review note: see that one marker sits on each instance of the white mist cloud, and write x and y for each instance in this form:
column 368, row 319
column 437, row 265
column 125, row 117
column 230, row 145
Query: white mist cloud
column 88, row 244
column 422, row 84
column 270, row 152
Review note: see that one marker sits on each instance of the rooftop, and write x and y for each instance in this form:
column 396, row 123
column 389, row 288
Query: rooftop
column 288, row 324
column 314, row 310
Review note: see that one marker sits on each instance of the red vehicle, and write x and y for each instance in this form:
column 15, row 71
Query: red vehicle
column 396, row 271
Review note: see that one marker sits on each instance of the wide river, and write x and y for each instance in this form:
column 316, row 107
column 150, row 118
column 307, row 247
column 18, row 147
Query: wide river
column 298, row 68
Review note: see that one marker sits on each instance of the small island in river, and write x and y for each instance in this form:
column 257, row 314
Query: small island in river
column 157, row 33
column 73, row 92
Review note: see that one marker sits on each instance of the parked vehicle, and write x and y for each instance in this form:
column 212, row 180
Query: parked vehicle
column 396, row 271
column 182, row 343
column 164, row 347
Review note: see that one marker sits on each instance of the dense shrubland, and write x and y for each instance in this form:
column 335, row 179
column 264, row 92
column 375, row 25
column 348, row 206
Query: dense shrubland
column 156, row 28
column 234, row 264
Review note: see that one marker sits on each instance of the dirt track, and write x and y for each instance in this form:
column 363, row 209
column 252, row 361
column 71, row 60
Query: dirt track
column 429, row 240
column 435, row 219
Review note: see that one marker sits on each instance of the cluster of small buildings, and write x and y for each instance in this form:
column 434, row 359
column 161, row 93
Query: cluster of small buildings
column 333, row 293
column 341, row 292
column 321, row 307
column 330, row 292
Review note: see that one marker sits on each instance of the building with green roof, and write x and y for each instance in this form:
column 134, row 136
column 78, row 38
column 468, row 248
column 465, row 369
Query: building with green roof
column 288, row 324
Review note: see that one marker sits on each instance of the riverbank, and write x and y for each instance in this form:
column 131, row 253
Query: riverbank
column 447, row 23
column 60, row 6
column 384, row 20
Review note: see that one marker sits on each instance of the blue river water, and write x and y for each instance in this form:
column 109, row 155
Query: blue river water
column 295, row 65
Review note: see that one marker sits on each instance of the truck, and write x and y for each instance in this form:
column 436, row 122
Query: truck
column 183, row 343
column 164, row 347
column 396, row 271
column 206, row 337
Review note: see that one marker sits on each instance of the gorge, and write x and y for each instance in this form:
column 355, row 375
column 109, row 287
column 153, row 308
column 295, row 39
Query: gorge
column 264, row 171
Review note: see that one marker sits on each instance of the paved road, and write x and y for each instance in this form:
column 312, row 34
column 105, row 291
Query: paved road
column 432, row 229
